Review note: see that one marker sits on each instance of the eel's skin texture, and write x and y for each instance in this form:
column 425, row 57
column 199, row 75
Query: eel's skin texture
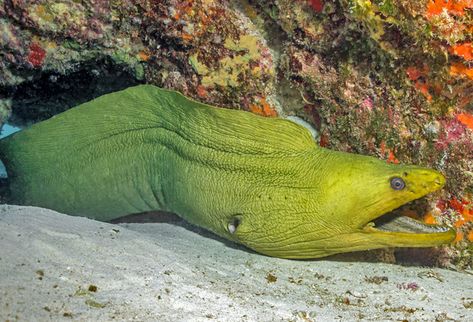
column 262, row 182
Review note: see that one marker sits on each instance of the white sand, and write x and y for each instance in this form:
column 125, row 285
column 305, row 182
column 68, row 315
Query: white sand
column 171, row 272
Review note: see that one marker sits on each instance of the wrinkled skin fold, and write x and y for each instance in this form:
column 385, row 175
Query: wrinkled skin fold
column 261, row 182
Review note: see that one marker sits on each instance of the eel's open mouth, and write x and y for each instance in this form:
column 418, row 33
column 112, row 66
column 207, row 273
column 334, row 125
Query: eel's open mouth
column 394, row 230
column 392, row 222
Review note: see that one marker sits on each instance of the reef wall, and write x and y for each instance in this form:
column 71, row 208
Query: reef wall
column 392, row 79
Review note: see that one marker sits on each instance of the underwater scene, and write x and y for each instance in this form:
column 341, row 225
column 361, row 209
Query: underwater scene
column 236, row 160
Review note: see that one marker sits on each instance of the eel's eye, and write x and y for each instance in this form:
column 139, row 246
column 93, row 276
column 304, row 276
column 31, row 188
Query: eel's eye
column 397, row 183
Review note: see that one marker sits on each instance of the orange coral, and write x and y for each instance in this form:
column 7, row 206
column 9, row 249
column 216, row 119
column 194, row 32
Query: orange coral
column 392, row 158
column 414, row 73
column 466, row 119
column 201, row 91
column 263, row 108
column 458, row 237
column 458, row 69
column 186, row 36
column 464, row 209
column 384, row 151
column 324, row 140
column 418, row 76
column 460, row 222
column 317, row 5
column 430, row 219
column 457, row 204
column 463, row 50
column 188, row 11
column 423, row 87
column 143, row 55
column 454, row 7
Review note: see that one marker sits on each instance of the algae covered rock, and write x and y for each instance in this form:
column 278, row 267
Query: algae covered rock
column 205, row 49
column 390, row 79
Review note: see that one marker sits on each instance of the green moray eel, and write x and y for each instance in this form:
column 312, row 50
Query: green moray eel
column 262, row 182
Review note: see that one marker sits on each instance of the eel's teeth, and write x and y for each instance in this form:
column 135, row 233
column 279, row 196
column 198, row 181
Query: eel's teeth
column 393, row 223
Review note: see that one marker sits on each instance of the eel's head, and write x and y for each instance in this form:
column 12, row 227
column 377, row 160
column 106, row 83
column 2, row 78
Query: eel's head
column 374, row 190
column 350, row 210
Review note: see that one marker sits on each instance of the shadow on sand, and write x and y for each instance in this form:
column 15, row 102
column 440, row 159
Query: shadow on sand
column 405, row 257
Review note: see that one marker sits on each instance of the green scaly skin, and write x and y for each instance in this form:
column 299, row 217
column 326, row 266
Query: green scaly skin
column 261, row 182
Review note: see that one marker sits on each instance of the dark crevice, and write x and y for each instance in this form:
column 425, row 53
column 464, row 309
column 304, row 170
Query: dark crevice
column 51, row 93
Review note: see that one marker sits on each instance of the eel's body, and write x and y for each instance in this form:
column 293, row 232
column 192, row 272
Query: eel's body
column 262, row 182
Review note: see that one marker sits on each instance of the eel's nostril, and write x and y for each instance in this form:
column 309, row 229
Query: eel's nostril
column 440, row 180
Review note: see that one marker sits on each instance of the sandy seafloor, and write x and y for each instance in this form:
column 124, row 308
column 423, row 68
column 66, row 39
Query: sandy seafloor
column 55, row 267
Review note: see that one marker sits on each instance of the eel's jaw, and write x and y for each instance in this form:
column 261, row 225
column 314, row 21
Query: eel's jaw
column 401, row 231
column 404, row 232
